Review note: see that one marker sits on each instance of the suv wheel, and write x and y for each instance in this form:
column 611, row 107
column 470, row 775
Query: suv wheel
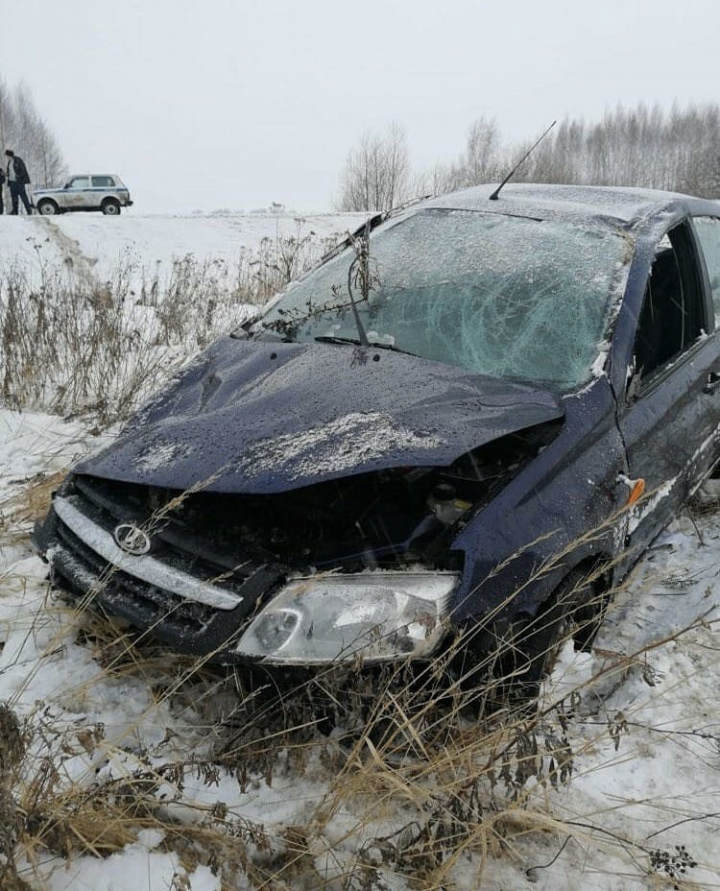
column 110, row 207
column 47, row 207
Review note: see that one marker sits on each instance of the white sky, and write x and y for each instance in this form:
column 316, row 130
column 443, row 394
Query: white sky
column 207, row 104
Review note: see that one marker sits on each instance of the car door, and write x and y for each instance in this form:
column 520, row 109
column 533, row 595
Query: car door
column 103, row 187
column 671, row 410
column 77, row 193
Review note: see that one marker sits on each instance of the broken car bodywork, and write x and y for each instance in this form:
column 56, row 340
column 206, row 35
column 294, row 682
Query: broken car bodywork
column 295, row 498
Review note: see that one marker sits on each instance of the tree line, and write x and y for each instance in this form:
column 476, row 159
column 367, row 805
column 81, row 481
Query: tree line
column 23, row 130
column 676, row 149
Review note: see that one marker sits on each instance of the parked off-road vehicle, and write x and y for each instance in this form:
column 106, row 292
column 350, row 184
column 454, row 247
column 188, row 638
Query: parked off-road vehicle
column 105, row 192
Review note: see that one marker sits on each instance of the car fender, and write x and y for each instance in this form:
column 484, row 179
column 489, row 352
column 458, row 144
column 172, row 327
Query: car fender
column 519, row 547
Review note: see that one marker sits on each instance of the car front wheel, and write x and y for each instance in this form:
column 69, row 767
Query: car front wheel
column 110, row 207
column 529, row 648
column 47, row 207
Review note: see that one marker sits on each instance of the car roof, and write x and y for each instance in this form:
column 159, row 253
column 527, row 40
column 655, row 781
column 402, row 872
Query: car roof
column 624, row 206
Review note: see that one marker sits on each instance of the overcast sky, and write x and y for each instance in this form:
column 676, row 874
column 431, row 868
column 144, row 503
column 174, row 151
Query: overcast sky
column 207, row 104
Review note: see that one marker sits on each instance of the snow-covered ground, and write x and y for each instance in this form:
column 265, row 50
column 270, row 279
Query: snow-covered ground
column 148, row 244
column 640, row 724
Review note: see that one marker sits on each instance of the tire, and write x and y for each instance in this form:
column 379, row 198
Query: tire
column 529, row 648
column 110, row 207
column 47, row 207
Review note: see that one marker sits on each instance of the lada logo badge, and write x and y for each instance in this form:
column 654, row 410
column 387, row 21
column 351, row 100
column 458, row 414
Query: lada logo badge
column 131, row 539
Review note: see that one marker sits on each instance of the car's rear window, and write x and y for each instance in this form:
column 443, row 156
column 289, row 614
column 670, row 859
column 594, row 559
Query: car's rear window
column 103, row 182
column 503, row 296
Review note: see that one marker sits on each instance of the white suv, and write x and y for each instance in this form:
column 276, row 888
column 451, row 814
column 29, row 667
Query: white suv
column 105, row 192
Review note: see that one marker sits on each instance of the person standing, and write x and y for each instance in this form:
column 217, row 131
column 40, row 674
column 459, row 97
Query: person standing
column 18, row 177
column 2, row 183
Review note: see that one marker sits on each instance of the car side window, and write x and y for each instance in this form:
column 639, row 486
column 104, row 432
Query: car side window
column 103, row 182
column 79, row 182
column 673, row 315
column 708, row 231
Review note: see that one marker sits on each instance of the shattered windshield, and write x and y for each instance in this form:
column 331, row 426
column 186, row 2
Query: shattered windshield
column 508, row 297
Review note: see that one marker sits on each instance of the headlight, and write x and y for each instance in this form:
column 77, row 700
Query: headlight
column 378, row 616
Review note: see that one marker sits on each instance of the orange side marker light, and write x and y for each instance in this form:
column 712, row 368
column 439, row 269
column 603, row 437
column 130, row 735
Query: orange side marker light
column 637, row 491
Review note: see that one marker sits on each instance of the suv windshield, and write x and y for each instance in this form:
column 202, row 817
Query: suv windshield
column 508, row 297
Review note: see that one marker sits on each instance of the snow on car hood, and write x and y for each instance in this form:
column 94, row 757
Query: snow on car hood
column 259, row 417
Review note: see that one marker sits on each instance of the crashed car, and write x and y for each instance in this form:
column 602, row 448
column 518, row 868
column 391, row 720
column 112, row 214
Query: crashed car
column 470, row 418
column 105, row 192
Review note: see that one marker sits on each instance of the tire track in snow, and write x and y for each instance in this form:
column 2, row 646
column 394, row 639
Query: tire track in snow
column 71, row 253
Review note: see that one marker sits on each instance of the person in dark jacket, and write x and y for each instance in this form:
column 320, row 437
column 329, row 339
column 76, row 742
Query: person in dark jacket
column 18, row 177
column 2, row 183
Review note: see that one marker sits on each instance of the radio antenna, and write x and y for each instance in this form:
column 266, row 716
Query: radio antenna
column 495, row 194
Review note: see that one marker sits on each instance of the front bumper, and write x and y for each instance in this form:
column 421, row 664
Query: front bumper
column 156, row 602
column 201, row 608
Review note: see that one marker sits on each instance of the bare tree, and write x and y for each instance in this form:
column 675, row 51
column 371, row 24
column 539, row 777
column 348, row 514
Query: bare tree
column 649, row 147
column 481, row 161
column 676, row 149
column 4, row 110
column 377, row 172
column 23, row 130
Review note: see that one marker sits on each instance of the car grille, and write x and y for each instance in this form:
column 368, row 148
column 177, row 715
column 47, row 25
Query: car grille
column 80, row 563
column 191, row 623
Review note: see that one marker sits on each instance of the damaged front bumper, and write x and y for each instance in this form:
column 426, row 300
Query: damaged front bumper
column 166, row 600
column 252, row 613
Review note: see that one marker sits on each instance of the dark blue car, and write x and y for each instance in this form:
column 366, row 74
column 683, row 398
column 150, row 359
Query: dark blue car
column 470, row 420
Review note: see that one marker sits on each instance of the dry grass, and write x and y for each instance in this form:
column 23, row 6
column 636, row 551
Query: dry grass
column 20, row 510
column 442, row 757
column 460, row 788
column 71, row 344
column 422, row 773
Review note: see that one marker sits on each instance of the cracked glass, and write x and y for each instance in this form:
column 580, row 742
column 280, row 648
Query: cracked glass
column 503, row 296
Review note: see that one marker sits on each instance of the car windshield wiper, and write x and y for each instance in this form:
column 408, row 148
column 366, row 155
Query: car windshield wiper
column 335, row 338
column 355, row 341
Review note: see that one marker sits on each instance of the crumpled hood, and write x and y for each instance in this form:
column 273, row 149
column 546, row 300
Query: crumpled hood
column 258, row 417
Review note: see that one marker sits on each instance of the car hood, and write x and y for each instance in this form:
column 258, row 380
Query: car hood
column 258, row 417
